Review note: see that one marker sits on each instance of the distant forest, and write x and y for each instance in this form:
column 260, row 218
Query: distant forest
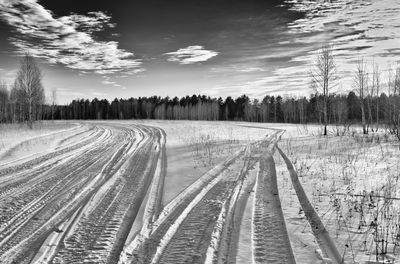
column 366, row 104
column 342, row 109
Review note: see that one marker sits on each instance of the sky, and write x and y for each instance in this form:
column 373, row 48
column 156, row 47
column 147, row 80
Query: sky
column 123, row 49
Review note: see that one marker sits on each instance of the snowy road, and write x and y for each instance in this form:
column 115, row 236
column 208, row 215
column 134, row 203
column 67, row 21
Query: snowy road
column 201, row 224
column 78, row 202
column 97, row 197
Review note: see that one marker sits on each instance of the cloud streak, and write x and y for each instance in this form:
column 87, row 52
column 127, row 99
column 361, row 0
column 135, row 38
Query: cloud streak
column 359, row 28
column 67, row 40
column 191, row 55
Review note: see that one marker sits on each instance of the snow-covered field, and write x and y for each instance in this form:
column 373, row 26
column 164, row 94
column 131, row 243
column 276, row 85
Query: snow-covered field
column 151, row 191
column 17, row 140
column 352, row 182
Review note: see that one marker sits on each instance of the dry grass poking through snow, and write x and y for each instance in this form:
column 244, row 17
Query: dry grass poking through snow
column 353, row 183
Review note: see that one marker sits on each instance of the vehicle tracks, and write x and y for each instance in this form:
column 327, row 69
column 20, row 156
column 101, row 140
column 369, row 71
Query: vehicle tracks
column 46, row 192
column 79, row 203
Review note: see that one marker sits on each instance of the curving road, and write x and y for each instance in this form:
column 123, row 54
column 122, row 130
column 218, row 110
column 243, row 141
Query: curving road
column 83, row 202
column 77, row 203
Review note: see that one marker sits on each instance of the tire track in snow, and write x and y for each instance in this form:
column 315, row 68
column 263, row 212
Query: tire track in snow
column 185, row 226
column 143, row 249
column 61, row 182
column 6, row 151
column 13, row 182
column 107, row 221
column 271, row 242
column 78, row 189
column 78, row 203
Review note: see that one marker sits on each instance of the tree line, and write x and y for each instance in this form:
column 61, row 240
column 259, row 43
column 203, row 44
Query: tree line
column 367, row 103
column 341, row 109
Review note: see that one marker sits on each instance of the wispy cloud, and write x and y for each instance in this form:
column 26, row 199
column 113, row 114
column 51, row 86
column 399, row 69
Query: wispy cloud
column 191, row 54
column 66, row 92
column 358, row 28
column 7, row 75
column 66, row 40
column 107, row 80
column 97, row 94
column 237, row 68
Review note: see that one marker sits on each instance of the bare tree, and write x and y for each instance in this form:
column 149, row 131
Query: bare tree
column 323, row 75
column 29, row 85
column 376, row 82
column 388, row 105
column 360, row 86
column 369, row 93
column 17, row 104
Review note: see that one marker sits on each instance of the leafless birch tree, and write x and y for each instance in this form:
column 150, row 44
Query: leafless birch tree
column 376, row 82
column 323, row 75
column 28, row 83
